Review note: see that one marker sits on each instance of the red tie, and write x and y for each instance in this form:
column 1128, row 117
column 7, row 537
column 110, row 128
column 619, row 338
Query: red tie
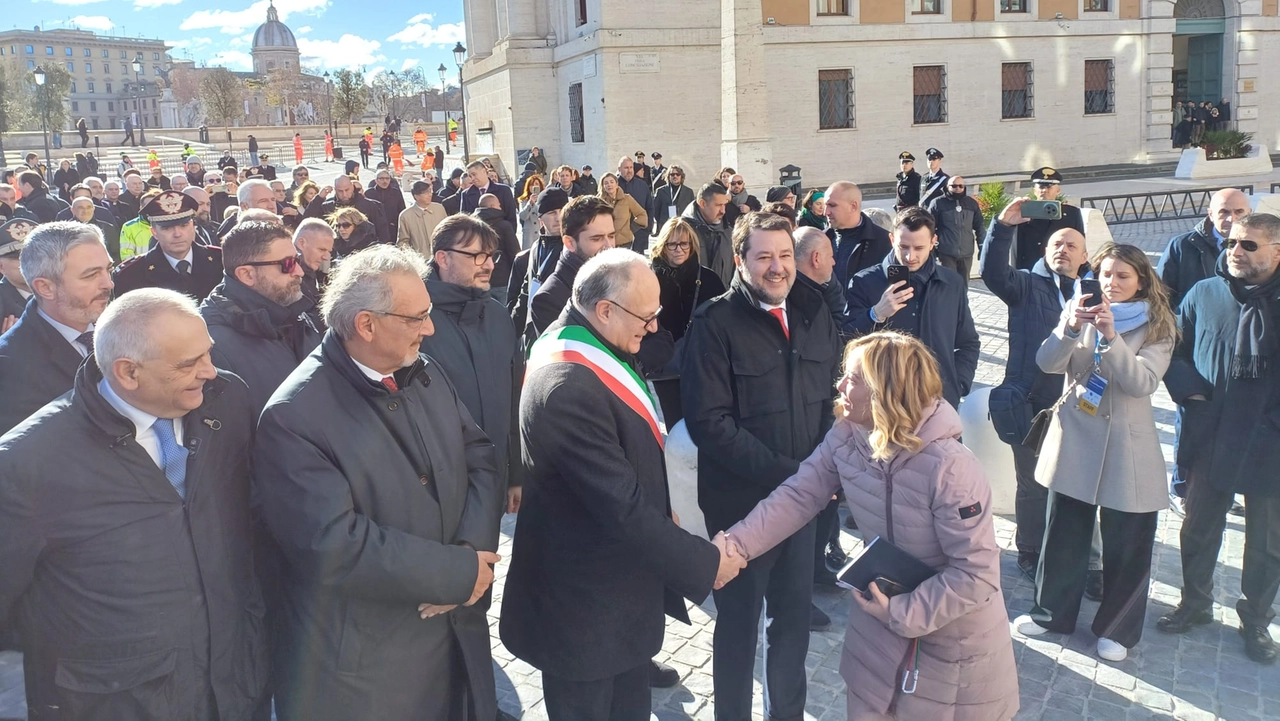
column 390, row 383
column 782, row 321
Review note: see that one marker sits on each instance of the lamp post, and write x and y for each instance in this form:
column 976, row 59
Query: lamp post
column 44, row 121
column 460, row 56
column 139, row 102
column 443, row 74
column 328, row 99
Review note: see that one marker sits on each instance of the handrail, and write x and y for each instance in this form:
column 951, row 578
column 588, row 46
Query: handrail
column 1160, row 205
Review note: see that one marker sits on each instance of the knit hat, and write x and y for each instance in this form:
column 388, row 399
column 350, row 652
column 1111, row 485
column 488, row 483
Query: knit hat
column 777, row 193
column 551, row 201
column 193, row 159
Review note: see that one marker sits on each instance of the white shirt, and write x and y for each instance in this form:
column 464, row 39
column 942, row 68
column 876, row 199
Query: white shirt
column 144, row 434
column 767, row 308
column 174, row 261
column 67, row 332
column 26, row 294
column 370, row 373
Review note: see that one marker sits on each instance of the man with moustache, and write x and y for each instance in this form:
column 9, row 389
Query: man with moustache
column 757, row 385
column 206, row 231
column 536, row 263
column 175, row 262
column 587, row 227
column 69, row 271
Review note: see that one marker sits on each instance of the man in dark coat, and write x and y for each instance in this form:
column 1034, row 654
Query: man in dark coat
column 481, row 186
column 69, row 271
column 490, row 213
column 586, row 232
column 598, row 559
column 932, row 304
column 535, row 264
column 757, row 384
column 36, row 199
column 960, row 228
column 175, row 261
column 908, row 189
column 1035, row 298
column 640, row 189
column 1046, row 184
column 258, row 317
column 83, row 210
column 475, row 342
column 132, row 566
column 935, row 181
column 587, row 184
column 14, row 291
column 383, row 496
column 314, row 241
column 858, row 243
column 1224, row 374
column 385, row 190
column 347, row 193
column 671, row 199
column 706, row 215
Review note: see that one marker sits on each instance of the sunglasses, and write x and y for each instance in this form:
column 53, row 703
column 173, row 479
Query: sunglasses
column 1250, row 246
column 286, row 265
column 956, row 187
column 345, row 226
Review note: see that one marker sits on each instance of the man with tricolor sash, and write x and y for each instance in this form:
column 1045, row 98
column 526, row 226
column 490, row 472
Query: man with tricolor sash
column 597, row 557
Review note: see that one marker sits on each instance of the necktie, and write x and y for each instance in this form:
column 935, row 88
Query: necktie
column 390, row 383
column 184, row 268
column 782, row 321
column 173, row 457
column 86, row 339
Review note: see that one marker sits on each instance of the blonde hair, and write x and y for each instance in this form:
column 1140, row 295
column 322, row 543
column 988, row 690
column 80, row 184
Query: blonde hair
column 347, row 213
column 1161, row 323
column 674, row 228
column 905, row 384
column 610, row 199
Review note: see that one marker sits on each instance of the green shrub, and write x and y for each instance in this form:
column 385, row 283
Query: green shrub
column 992, row 199
column 1223, row 144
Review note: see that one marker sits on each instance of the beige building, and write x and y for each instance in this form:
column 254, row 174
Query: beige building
column 840, row 87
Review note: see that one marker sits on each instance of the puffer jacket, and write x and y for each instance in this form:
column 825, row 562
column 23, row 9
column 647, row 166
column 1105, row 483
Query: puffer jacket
column 1188, row 259
column 936, row 505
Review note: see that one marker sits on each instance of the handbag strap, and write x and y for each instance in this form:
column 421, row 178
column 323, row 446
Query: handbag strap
column 1075, row 383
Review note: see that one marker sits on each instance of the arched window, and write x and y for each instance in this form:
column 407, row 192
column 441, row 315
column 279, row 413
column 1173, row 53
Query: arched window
column 1188, row 9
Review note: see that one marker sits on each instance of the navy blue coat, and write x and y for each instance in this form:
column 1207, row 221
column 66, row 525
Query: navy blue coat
column 1188, row 259
column 858, row 248
column 36, row 366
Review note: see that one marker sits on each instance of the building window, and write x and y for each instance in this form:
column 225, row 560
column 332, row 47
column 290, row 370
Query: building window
column 155, row 56
column 109, row 91
column 577, row 123
column 111, row 121
column 153, row 103
column 48, row 50
column 1016, row 91
column 1097, row 6
column 1099, row 87
column 580, row 12
column 89, row 85
column 75, row 107
column 111, row 108
column 31, row 65
column 70, row 53
column 124, row 68
column 93, row 106
column 31, row 50
column 88, row 53
column 835, row 99
column 73, row 87
column 927, row 7
column 95, row 124
column 833, row 7
column 1013, row 6
column 106, row 53
column 71, row 66
column 930, row 93
column 88, row 67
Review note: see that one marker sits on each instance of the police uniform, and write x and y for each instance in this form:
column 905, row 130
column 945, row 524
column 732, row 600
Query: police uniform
column 195, row 275
column 13, row 234
column 1033, row 235
column 935, row 184
column 908, row 184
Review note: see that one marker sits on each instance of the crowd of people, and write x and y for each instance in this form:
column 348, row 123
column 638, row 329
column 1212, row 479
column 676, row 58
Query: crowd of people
column 298, row 415
column 1191, row 120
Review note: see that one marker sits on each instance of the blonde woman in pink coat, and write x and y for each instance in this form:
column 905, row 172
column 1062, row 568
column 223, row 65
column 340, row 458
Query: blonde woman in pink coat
column 941, row 652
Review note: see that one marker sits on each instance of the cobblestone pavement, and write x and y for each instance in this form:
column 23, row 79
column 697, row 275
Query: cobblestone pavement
column 1202, row 675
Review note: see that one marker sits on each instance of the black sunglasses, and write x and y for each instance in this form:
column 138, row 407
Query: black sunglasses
column 346, row 225
column 956, row 187
column 286, row 265
column 1250, row 246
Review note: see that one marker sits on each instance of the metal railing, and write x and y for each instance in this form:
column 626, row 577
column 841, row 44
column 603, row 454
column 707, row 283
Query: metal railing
column 1161, row 205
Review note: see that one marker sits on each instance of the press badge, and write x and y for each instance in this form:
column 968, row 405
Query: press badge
column 1092, row 396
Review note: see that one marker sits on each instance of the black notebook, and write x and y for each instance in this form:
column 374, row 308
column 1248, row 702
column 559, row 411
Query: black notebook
column 892, row 568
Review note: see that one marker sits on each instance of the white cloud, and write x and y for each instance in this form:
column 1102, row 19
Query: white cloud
column 302, row 30
column 349, row 51
column 423, row 34
column 411, row 62
column 72, row 2
column 147, row 4
column 242, row 41
column 237, row 21
column 232, row 60
column 420, row 18
column 190, row 43
column 101, row 23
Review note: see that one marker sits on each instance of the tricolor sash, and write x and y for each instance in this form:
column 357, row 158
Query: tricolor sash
column 575, row 344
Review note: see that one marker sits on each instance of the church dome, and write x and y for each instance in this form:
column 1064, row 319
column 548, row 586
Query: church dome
column 273, row 33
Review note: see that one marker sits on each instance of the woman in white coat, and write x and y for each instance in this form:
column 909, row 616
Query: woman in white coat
column 1102, row 452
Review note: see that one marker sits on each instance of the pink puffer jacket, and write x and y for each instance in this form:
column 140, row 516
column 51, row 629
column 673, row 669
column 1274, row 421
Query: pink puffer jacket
column 940, row 508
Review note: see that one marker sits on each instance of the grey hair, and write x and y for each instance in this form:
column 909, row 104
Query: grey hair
column 605, row 277
column 110, row 183
column 45, row 253
column 312, row 225
column 806, row 238
column 880, row 217
column 362, row 282
column 246, row 189
column 124, row 330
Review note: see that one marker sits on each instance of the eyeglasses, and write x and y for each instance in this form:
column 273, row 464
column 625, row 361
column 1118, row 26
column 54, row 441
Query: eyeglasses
column 345, row 226
column 683, row 245
column 647, row 321
column 411, row 320
column 1250, row 246
column 956, row 187
column 286, row 265
column 480, row 257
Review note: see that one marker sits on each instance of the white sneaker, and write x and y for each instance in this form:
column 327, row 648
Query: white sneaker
column 1027, row 627
column 1109, row 650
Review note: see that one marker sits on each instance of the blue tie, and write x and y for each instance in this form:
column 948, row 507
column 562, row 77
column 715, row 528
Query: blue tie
column 173, row 457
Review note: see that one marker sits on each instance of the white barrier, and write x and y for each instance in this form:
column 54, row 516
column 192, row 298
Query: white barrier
column 994, row 454
column 682, row 479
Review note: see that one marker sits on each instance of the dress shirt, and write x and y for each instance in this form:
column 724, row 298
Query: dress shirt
column 68, row 332
column 142, row 421
column 174, row 261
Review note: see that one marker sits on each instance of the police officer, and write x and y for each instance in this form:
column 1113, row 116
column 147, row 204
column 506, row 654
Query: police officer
column 935, row 182
column 174, row 261
column 1046, row 184
column 908, row 182
column 14, row 292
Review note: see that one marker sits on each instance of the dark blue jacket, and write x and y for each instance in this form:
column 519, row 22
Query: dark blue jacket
column 1188, row 259
column 36, row 366
column 1035, row 306
column 858, row 248
column 945, row 323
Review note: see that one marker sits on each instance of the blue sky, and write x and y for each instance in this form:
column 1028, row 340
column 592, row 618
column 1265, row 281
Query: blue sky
column 332, row 34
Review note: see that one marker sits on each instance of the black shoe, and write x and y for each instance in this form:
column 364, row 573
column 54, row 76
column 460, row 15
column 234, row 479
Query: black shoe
column 824, row 577
column 1028, row 562
column 1258, row 644
column 850, row 524
column 818, row 620
column 836, row 557
column 662, row 675
column 1182, row 619
column 1093, row 585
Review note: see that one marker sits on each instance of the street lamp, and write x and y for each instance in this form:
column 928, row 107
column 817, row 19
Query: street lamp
column 44, row 121
column 328, row 94
column 460, row 56
column 139, row 102
column 443, row 73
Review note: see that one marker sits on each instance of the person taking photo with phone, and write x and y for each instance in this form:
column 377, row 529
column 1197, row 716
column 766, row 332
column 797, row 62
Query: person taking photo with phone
column 942, row 650
column 1101, row 451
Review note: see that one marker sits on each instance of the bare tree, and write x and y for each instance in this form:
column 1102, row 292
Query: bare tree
column 223, row 96
column 185, row 83
column 350, row 96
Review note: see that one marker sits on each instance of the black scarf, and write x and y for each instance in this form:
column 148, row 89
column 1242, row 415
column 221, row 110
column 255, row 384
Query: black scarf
column 1256, row 342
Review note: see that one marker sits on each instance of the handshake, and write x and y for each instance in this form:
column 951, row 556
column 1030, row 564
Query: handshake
column 484, row 578
column 730, row 562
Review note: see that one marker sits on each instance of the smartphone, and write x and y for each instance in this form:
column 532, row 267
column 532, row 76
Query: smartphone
column 898, row 273
column 219, row 188
column 1092, row 288
column 890, row 588
column 1042, row 209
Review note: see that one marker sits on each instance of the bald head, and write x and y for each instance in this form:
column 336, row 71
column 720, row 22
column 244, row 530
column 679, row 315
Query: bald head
column 488, row 200
column 1227, row 207
column 844, row 204
column 814, row 256
column 1065, row 252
